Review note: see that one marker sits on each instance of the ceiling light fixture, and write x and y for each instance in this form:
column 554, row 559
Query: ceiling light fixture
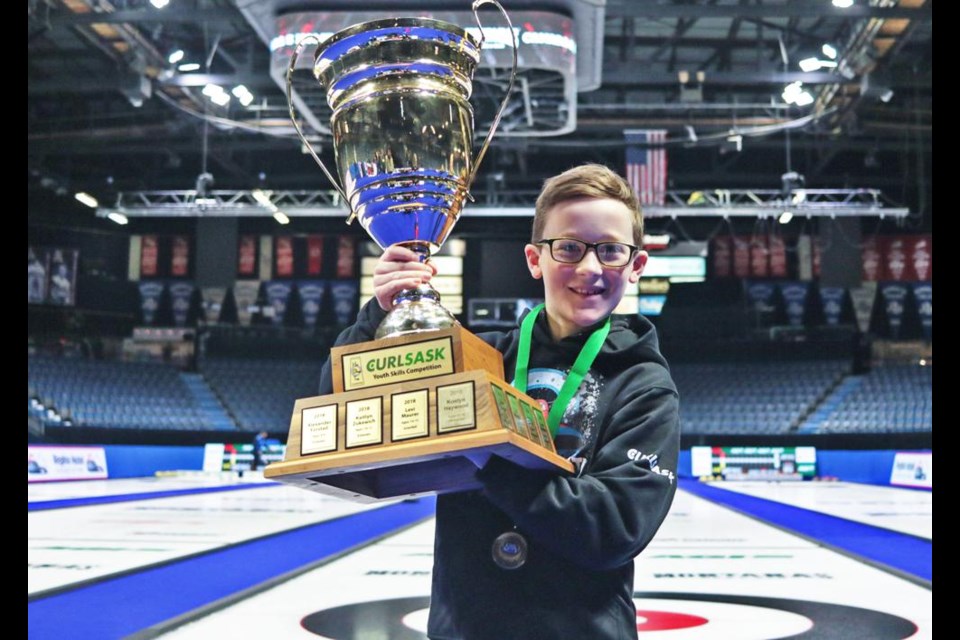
column 281, row 217
column 190, row 66
column 86, row 199
column 843, row 4
column 117, row 217
column 159, row 4
column 785, row 217
column 175, row 56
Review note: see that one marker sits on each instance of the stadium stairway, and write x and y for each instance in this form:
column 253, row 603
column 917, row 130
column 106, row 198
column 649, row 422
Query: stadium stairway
column 847, row 386
column 211, row 410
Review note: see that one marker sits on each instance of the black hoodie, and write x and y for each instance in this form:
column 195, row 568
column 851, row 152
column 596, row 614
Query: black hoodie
column 583, row 531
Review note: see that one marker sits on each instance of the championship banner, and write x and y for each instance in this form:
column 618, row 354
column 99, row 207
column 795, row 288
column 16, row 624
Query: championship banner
column 284, row 254
column 721, row 251
column 311, row 299
column 149, row 250
column 247, row 255
column 894, row 295
column 778, row 257
column 150, row 291
column 759, row 256
column 870, row 254
column 180, row 256
column 212, row 303
column 346, row 249
column 760, row 295
column 344, row 295
column 832, row 300
column 919, row 257
column 245, row 294
column 863, row 298
column 893, row 258
column 62, row 284
column 795, row 297
column 180, row 294
column 37, row 265
column 923, row 293
column 47, row 463
column 741, row 257
column 278, row 293
column 314, row 255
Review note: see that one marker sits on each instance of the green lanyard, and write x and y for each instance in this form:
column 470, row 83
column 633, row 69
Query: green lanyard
column 580, row 367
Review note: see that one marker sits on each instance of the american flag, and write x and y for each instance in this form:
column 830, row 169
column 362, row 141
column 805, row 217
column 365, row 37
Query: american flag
column 647, row 165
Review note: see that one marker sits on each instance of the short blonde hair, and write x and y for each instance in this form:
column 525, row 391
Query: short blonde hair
column 588, row 180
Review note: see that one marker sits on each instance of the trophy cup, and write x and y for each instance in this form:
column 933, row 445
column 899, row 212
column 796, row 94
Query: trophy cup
column 417, row 409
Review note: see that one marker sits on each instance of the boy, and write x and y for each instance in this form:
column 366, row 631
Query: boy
column 535, row 555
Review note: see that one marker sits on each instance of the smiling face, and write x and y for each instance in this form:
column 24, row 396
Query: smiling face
column 580, row 295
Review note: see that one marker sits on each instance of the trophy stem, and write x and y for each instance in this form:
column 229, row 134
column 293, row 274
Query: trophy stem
column 416, row 310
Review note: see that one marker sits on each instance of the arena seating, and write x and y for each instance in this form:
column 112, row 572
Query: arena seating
column 113, row 394
column 752, row 397
column 259, row 393
column 890, row 398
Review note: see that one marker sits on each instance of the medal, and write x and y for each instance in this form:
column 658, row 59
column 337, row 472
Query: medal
column 509, row 550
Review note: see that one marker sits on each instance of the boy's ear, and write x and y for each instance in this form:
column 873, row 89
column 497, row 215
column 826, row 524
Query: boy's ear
column 636, row 268
column 532, row 253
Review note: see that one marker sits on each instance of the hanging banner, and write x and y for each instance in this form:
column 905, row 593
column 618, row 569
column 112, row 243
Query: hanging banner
column 760, row 295
column 245, row 295
column 314, row 255
column 278, row 292
column 212, row 303
column 346, row 248
column 832, row 300
column 919, row 257
column 870, row 254
column 795, row 297
column 863, row 298
column 778, row 256
column 311, row 300
column 893, row 257
column 180, row 294
column 149, row 250
column 721, row 252
column 817, row 252
column 180, row 256
column 759, row 256
column 284, row 253
column 61, row 287
column 805, row 257
column 923, row 292
column 247, row 256
column 37, row 265
column 741, row 257
column 894, row 295
column 266, row 257
column 344, row 296
column 150, row 291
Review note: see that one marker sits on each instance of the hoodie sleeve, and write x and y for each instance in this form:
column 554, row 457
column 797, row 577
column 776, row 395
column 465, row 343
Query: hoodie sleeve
column 607, row 515
column 364, row 329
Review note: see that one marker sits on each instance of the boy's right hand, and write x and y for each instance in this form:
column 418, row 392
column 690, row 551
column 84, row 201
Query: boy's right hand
column 397, row 269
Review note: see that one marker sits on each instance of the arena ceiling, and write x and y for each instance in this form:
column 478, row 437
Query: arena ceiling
column 108, row 113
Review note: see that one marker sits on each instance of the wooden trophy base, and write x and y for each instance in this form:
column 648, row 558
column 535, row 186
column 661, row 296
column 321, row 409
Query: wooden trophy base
column 414, row 437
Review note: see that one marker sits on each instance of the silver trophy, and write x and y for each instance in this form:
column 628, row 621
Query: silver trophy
column 402, row 129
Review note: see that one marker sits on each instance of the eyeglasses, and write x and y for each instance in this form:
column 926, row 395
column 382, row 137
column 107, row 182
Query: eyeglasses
column 571, row 251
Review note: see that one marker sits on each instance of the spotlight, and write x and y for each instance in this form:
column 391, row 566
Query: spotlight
column 117, row 217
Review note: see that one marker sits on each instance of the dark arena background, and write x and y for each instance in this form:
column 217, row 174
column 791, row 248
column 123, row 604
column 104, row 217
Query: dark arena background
column 189, row 266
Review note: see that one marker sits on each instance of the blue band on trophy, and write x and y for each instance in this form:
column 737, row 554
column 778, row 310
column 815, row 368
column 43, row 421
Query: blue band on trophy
column 350, row 79
column 336, row 50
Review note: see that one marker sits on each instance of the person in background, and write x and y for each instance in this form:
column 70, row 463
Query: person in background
column 534, row 555
column 259, row 444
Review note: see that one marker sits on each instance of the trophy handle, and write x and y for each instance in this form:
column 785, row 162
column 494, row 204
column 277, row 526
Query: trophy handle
column 513, row 76
column 293, row 118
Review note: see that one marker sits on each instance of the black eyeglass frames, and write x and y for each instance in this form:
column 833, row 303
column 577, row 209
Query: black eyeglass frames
column 572, row 251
